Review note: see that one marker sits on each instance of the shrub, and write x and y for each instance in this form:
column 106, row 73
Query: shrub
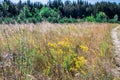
column 72, row 20
column 46, row 12
column 38, row 18
column 34, row 20
column 52, row 19
column 19, row 21
column 90, row 18
column 1, row 20
column 67, row 20
column 9, row 20
column 101, row 17
column 114, row 20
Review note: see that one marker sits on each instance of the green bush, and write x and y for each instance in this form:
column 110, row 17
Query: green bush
column 67, row 20
column 90, row 19
column 114, row 20
column 38, row 18
column 5, row 20
column 1, row 20
column 52, row 19
column 25, row 21
column 101, row 17
column 34, row 19
column 9, row 20
column 46, row 12
column 19, row 21
column 72, row 20
column 12, row 21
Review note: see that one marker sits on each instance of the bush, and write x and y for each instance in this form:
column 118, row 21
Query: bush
column 67, row 20
column 46, row 12
column 34, row 20
column 52, row 19
column 25, row 21
column 1, row 20
column 114, row 20
column 90, row 19
column 19, row 21
column 12, row 21
column 9, row 21
column 38, row 18
column 72, row 20
column 101, row 17
column 6, row 21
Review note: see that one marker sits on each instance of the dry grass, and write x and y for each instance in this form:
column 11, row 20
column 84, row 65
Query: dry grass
column 56, row 51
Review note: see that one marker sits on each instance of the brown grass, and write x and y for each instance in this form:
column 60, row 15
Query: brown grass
column 32, row 55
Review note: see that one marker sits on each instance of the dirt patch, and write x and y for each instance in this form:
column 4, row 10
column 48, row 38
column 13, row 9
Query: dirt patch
column 116, row 43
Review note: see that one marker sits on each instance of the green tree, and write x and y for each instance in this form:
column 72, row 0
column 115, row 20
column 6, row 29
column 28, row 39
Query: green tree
column 5, row 8
column 25, row 13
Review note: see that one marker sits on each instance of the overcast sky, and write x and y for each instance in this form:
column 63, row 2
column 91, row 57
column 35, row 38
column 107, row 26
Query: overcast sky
column 45, row 1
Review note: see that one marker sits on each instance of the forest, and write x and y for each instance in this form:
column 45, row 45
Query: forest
column 57, row 11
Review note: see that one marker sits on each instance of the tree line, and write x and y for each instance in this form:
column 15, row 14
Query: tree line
column 57, row 11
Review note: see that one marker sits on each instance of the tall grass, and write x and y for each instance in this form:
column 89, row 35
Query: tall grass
column 56, row 51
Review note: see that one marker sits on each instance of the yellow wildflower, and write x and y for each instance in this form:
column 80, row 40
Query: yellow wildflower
column 73, row 69
column 64, row 44
column 52, row 44
column 80, row 62
column 84, row 48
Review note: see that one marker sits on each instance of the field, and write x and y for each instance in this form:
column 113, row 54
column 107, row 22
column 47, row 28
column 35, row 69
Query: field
column 46, row 51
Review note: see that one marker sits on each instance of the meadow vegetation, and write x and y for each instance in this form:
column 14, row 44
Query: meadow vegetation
column 48, row 51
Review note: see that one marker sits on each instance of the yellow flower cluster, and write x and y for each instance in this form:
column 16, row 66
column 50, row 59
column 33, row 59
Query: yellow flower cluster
column 84, row 48
column 52, row 44
column 60, row 47
column 56, row 51
column 80, row 62
column 64, row 44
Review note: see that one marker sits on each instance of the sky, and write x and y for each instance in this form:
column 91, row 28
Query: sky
column 45, row 1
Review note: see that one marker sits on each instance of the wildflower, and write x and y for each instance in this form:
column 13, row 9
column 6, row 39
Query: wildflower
column 73, row 69
column 65, row 44
column 84, row 48
column 80, row 62
column 52, row 44
column 60, row 47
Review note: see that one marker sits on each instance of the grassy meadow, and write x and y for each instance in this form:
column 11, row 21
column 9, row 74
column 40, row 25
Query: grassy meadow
column 46, row 51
